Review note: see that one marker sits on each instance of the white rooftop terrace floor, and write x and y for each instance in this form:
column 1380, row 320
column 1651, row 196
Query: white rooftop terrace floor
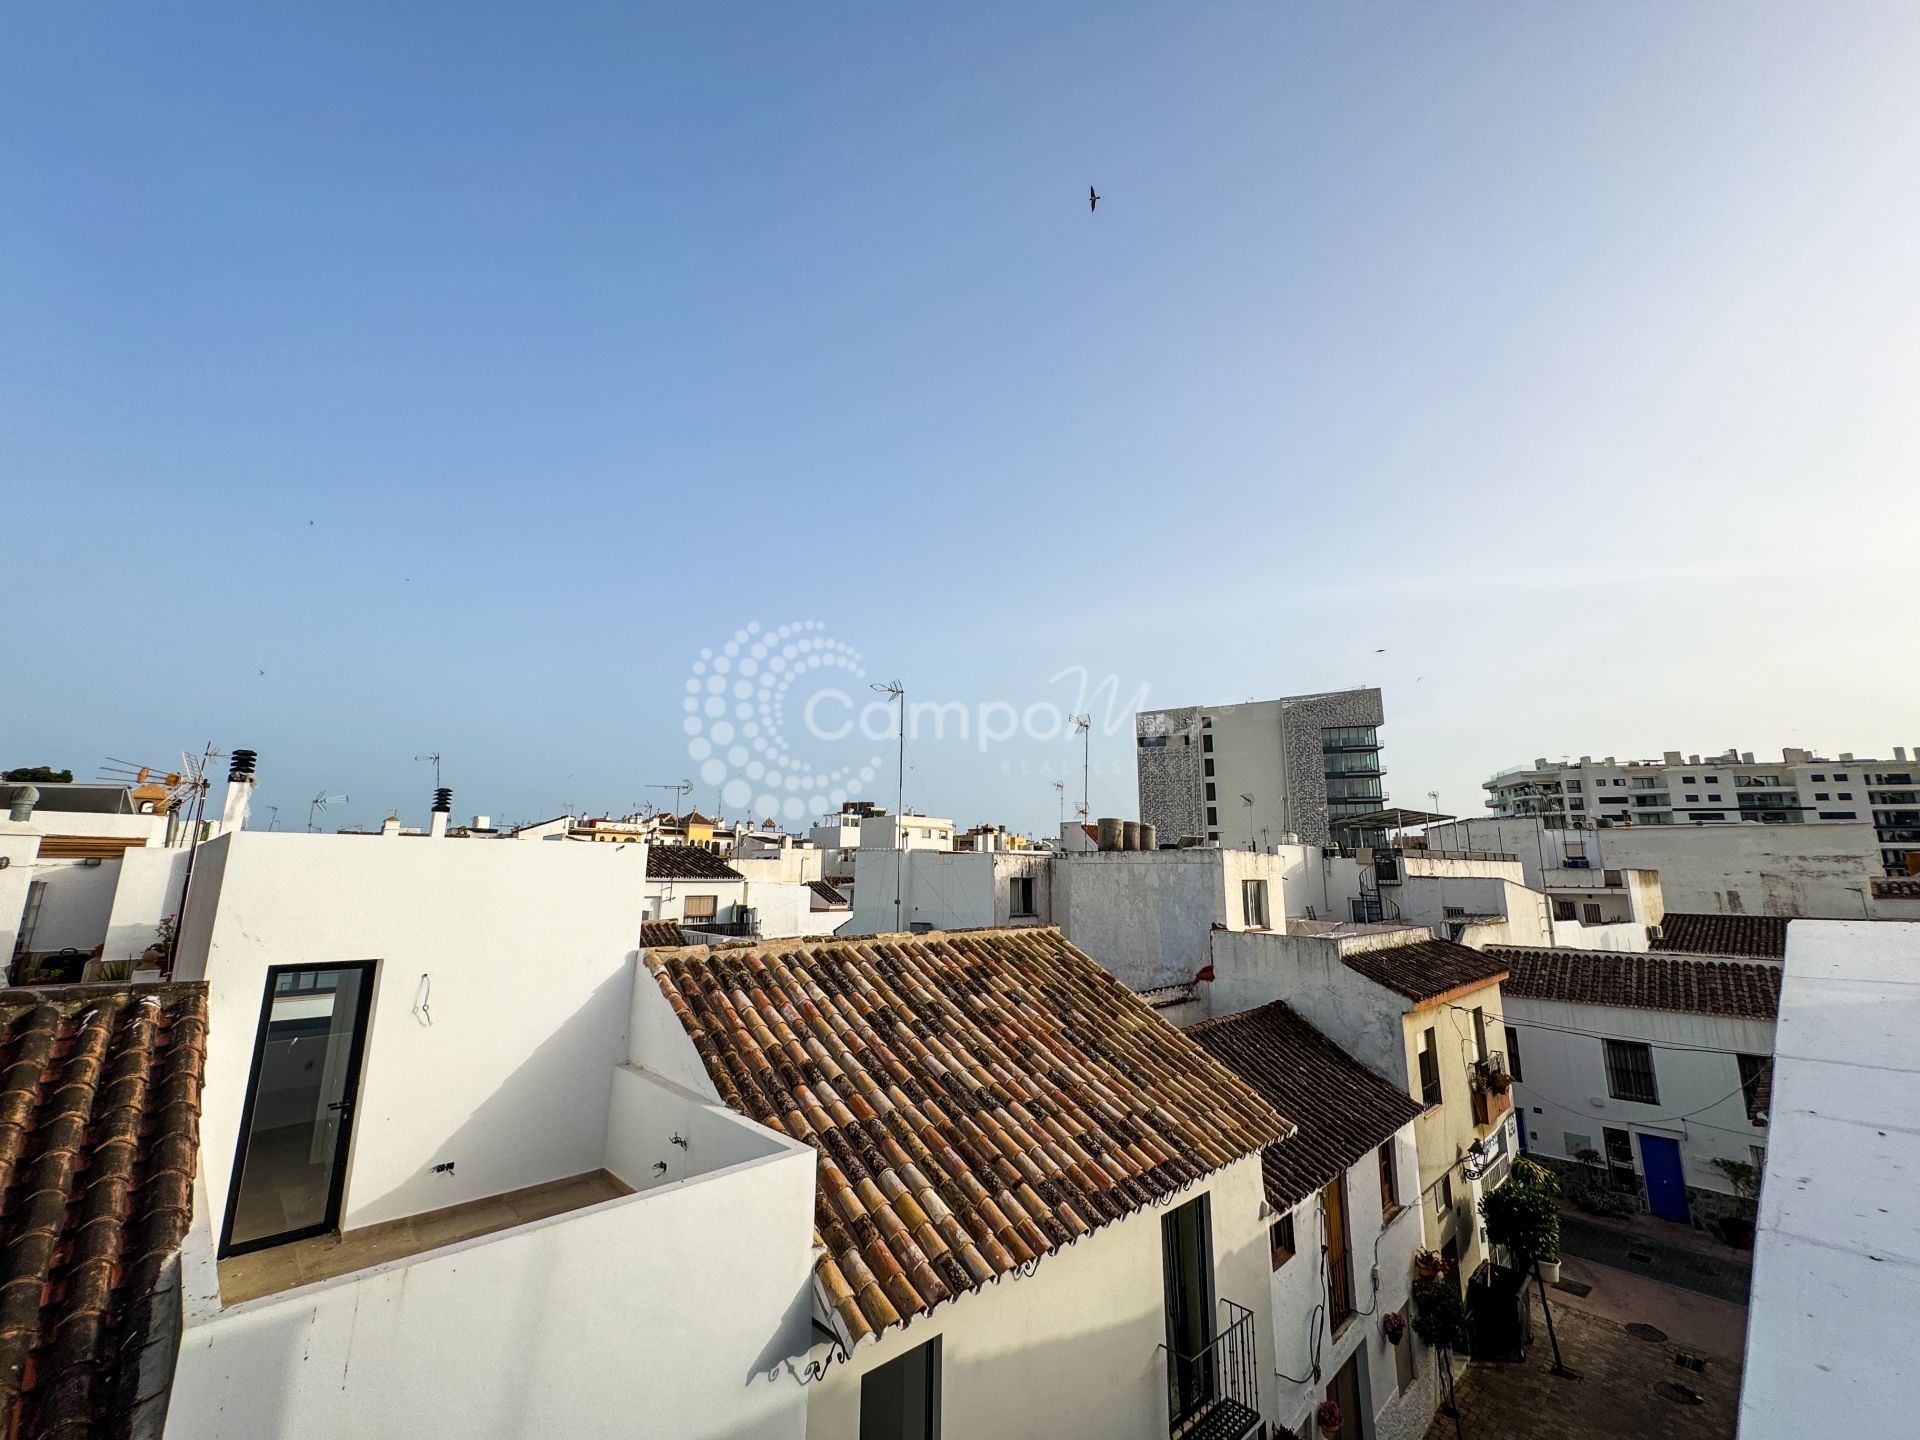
column 1836, row 1280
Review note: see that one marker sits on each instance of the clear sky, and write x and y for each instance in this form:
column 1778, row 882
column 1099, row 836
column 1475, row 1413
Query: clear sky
column 469, row 368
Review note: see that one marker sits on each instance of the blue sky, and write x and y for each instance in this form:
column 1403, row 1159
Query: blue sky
column 468, row 369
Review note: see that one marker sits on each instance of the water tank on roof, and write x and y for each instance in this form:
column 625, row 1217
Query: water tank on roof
column 1111, row 833
column 1149, row 836
column 1130, row 834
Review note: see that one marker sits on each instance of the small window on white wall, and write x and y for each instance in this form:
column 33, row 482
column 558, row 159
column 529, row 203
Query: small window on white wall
column 701, row 907
column 1020, row 895
column 1253, row 903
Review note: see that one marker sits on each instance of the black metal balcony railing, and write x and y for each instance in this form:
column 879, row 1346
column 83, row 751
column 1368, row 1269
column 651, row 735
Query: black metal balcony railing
column 733, row 929
column 1214, row 1394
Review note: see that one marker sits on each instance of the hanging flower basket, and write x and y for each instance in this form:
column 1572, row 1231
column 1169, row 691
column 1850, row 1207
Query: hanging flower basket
column 1329, row 1419
column 1428, row 1263
column 1394, row 1326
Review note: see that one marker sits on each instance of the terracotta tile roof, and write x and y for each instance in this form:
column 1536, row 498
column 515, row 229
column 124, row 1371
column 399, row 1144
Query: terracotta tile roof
column 661, row 932
column 1643, row 982
column 1343, row 1109
column 99, row 1131
column 1896, row 889
column 1762, row 936
column 1426, row 969
column 978, row 1099
column 826, row 892
column 687, row 862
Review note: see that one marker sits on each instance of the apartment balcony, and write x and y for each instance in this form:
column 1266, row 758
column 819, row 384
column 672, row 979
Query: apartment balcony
column 1490, row 1085
column 1215, row 1393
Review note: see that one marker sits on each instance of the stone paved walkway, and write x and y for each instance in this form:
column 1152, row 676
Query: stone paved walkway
column 1688, row 1266
column 1616, row 1396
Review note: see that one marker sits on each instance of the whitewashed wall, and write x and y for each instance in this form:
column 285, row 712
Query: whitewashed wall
column 18, row 847
column 526, row 952
column 1298, row 1287
column 1564, row 1079
column 656, row 1314
column 1076, row 1348
column 149, row 888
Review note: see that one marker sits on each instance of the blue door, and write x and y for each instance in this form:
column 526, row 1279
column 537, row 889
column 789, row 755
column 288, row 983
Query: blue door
column 1666, row 1187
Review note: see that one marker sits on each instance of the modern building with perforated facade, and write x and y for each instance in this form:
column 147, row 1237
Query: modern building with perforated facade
column 1251, row 774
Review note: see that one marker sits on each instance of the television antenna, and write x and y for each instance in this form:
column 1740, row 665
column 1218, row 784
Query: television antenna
column 318, row 804
column 1060, row 789
column 435, row 758
column 685, row 787
column 1083, row 726
column 1247, row 800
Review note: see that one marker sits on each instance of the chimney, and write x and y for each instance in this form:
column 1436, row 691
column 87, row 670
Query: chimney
column 390, row 825
column 1900, row 753
column 442, row 808
column 240, row 782
column 24, row 799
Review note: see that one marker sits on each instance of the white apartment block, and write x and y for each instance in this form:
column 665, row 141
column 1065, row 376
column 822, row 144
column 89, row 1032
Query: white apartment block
column 1723, row 789
column 1257, row 773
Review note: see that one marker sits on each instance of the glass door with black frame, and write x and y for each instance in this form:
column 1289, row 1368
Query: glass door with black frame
column 1187, row 1252
column 306, row 1063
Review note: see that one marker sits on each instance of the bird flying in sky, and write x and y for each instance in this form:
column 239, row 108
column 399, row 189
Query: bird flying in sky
column 1093, row 199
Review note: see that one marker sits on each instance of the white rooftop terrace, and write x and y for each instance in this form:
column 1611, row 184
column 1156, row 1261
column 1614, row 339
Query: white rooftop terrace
column 1836, row 1278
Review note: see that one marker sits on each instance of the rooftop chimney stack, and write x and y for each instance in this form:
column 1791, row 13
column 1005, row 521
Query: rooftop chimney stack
column 24, row 799
column 1900, row 753
column 240, row 783
column 442, row 808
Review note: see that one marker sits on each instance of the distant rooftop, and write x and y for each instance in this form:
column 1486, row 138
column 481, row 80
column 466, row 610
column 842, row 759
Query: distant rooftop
column 1636, row 981
column 1762, row 936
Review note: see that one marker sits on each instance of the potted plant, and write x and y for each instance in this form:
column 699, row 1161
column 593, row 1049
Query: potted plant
column 1393, row 1325
column 1428, row 1263
column 156, row 953
column 1499, row 1082
column 1439, row 1316
column 1737, row 1230
column 1329, row 1419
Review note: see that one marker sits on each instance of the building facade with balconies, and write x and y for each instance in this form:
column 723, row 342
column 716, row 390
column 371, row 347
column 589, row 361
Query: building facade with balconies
column 1723, row 789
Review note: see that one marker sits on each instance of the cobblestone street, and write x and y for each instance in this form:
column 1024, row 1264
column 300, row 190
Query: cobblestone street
column 1624, row 1390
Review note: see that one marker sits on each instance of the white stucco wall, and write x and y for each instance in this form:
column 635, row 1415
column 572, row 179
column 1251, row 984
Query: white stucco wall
column 18, row 847
column 1564, row 1080
column 148, row 889
column 1076, row 1348
column 1146, row 914
column 1382, row 1281
column 656, row 1314
column 1742, row 868
column 526, row 952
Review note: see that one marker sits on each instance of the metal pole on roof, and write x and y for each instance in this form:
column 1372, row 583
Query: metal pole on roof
column 896, row 691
